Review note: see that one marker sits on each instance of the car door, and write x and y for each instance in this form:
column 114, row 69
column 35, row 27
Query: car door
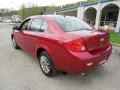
column 34, row 34
column 20, row 35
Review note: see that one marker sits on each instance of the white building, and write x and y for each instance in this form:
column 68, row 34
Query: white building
column 100, row 14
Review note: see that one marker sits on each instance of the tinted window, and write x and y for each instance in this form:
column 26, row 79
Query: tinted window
column 71, row 23
column 44, row 26
column 36, row 24
column 24, row 25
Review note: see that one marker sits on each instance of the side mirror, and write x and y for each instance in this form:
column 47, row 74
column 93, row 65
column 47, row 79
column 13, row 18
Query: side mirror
column 15, row 28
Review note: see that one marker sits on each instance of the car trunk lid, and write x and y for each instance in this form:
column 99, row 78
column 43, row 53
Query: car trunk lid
column 93, row 39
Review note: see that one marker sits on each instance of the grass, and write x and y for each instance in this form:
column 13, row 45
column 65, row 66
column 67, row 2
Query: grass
column 115, row 37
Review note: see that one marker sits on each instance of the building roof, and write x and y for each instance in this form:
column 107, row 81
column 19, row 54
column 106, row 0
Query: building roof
column 76, row 6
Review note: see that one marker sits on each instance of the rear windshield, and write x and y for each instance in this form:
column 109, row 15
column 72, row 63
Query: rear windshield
column 69, row 23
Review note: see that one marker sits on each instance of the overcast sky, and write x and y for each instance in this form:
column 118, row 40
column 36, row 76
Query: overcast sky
column 16, row 4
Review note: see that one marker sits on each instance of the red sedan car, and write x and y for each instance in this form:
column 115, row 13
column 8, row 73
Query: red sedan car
column 62, row 43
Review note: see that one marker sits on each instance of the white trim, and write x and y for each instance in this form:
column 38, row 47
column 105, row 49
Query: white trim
column 118, row 23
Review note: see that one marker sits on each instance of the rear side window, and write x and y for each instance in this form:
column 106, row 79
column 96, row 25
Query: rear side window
column 36, row 24
column 39, row 25
column 43, row 26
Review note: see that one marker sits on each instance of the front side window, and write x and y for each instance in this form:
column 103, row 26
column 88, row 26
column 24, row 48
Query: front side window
column 24, row 25
column 72, row 24
column 36, row 24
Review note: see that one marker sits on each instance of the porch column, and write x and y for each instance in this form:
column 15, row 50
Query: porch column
column 118, row 23
column 80, row 13
column 98, row 15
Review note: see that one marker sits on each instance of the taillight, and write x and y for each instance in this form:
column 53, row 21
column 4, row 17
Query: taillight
column 77, row 45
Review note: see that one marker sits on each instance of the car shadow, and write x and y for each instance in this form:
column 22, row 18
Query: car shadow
column 99, row 74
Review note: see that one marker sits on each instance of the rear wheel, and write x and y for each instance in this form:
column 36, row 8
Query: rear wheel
column 15, row 44
column 47, row 65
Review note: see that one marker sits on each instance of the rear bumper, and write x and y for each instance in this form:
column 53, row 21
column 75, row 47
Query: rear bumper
column 85, row 61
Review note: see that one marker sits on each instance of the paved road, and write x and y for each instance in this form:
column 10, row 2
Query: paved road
column 20, row 71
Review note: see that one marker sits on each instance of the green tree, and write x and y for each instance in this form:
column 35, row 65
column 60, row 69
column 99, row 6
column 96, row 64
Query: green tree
column 35, row 10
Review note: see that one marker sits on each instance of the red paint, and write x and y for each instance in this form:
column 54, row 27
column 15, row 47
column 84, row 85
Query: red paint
column 70, row 51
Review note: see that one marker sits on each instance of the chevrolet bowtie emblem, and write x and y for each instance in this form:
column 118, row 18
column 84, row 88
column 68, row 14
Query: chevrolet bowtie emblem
column 102, row 39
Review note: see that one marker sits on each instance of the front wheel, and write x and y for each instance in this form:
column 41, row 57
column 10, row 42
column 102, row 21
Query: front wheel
column 47, row 65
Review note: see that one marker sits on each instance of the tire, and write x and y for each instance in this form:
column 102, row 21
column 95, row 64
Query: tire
column 47, row 65
column 15, row 44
